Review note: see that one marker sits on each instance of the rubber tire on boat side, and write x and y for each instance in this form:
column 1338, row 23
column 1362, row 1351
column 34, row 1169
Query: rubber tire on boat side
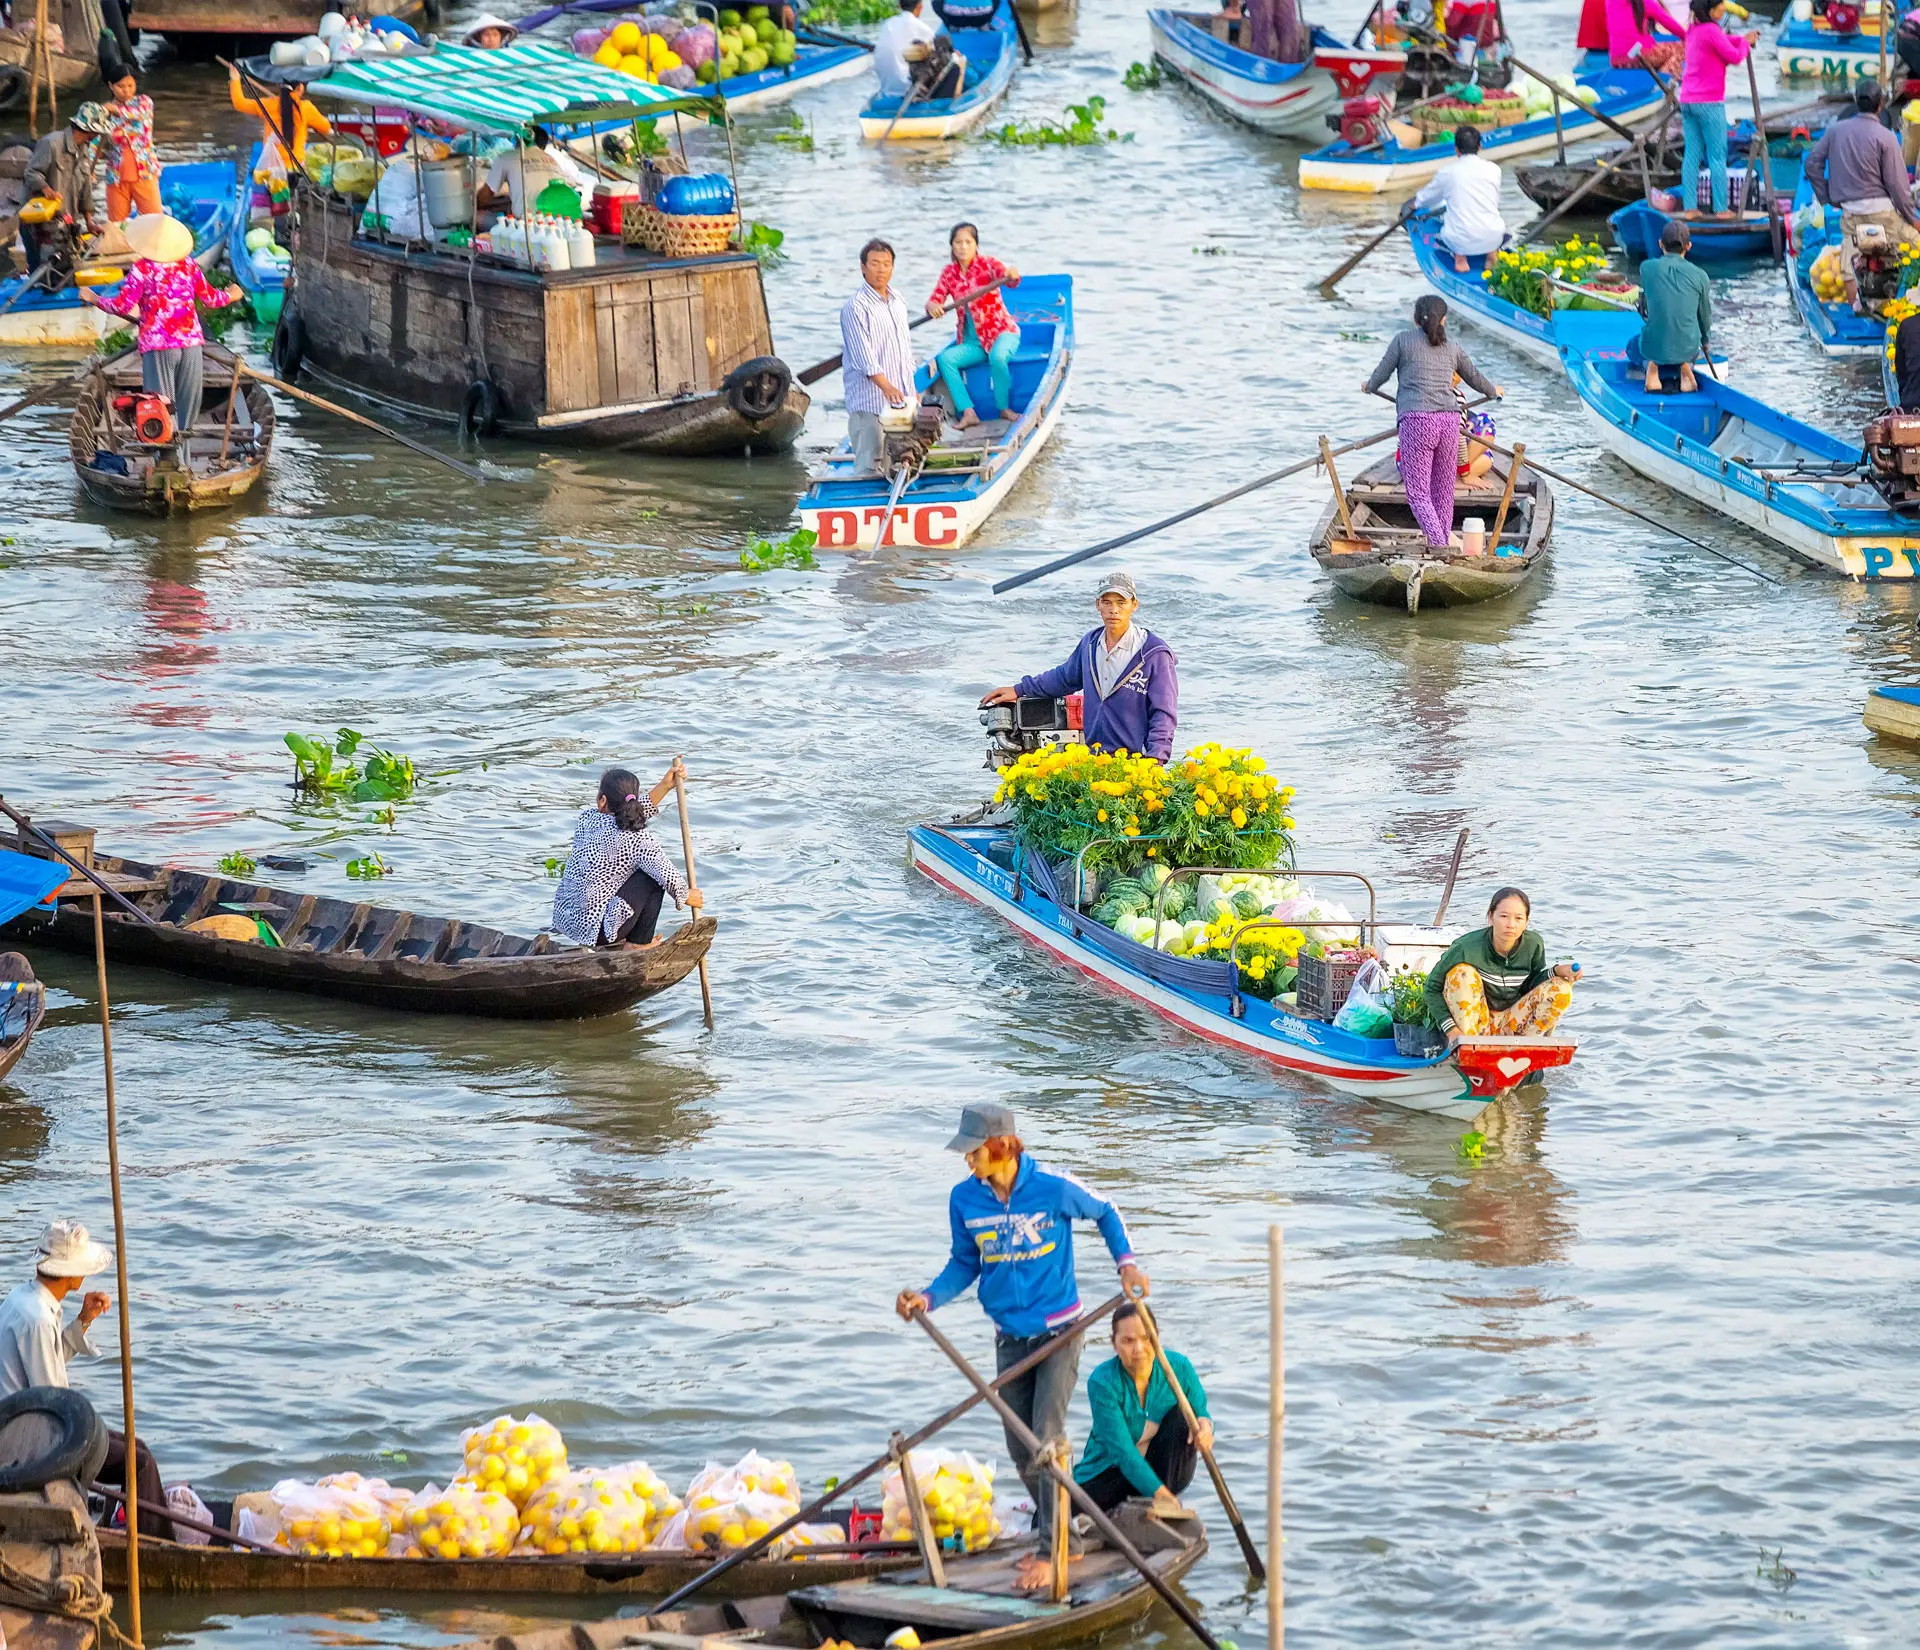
column 289, row 348
column 78, row 1449
column 757, row 389
column 480, row 410
column 14, row 82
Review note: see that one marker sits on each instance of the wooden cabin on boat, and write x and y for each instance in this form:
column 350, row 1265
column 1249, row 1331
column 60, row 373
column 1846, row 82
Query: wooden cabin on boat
column 254, row 19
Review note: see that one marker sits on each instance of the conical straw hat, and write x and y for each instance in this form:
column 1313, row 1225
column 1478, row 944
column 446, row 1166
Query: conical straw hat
column 159, row 238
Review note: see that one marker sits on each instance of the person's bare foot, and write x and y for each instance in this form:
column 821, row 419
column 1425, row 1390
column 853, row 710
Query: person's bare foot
column 968, row 419
column 1033, row 1573
column 1688, row 384
column 1460, row 265
column 1653, row 378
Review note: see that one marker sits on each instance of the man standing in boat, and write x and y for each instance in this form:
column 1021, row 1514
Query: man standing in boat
column 1126, row 675
column 1012, row 1228
column 878, row 366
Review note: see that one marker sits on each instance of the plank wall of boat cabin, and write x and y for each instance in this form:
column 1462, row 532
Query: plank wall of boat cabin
column 253, row 17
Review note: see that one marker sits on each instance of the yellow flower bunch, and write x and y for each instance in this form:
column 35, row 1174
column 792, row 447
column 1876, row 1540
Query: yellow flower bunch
column 1519, row 276
column 1267, row 958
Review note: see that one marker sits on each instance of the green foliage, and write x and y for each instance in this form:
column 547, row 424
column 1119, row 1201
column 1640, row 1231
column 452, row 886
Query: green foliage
column 795, row 550
column 1408, row 996
column 646, row 140
column 1143, row 77
column 368, row 869
column 763, row 241
column 325, row 769
column 556, row 866
column 1472, row 1146
column 238, row 864
column 121, row 338
column 851, row 11
column 796, row 134
column 1082, row 129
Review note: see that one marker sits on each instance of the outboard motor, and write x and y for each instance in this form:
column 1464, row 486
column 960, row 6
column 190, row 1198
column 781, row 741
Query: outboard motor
column 148, row 417
column 1893, row 458
column 1361, row 121
column 1876, row 264
column 1028, row 724
column 910, row 434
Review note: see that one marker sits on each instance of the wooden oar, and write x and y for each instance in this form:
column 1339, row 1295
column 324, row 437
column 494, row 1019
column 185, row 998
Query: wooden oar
column 1506, row 496
column 1044, row 1459
column 833, row 363
column 187, row 1523
column 913, row 92
column 1353, row 263
column 86, row 871
column 47, row 391
column 1453, row 876
column 1249, row 1550
column 686, row 848
column 814, row 1508
column 1766, row 156
column 1019, row 28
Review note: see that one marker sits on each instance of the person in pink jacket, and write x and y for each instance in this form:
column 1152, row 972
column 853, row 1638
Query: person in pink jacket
column 1631, row 40
column 1711, row 51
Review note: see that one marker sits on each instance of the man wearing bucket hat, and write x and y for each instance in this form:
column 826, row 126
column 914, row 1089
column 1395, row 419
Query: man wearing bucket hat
column 1012, row 1228
column 35, row 1346
column 162, row 292
column 61, row 171
column 1126, row 675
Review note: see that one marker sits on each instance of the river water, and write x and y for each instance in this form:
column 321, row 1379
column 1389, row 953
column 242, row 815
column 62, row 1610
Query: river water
column 1640, row 1375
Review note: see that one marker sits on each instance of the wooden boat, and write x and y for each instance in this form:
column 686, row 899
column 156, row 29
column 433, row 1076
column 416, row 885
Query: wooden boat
column 1469, row 297
column 198, row 193
column 46, row 1537
column 1808, row 49
column 264, row 280
column 365, row 953
column 991, row 53
column 1833, row 326
column 211, row 463
column 639, row 351
column 1286, row 99
column 74, row 67
column 1406, row 159
column 978, row 1608
column 1637, row 229
column 169, row 1567
column 1801, row 487
column 968, row 473
column 985, row 863
column 1892, row 712
column 1386, row 560
column 23, row 1005
column 284, row 19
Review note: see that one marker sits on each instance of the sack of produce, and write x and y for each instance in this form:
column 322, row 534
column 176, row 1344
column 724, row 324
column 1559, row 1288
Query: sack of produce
column 1366, row 1012
column 515, row 1457
column 728, row 1507
column 393, row 1502
column 460, row 1521
column 327, row 1521
column 585, row 1512
column 802, row 1536
column 957, row 1490
column 753, row 1471
column 649, row 1488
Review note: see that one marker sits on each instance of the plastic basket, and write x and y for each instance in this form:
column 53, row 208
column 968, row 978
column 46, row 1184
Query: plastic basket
column 1320, row 991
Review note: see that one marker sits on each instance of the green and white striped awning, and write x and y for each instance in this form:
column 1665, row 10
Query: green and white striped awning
column 505, row 89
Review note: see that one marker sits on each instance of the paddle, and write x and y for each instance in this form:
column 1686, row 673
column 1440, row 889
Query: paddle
column 1353, row 263
column 833, row 363
column 1045, row 1459
column 913, row 92
column 174, row 1516
column 86, row 871
column 814, row 1508
column 1020, row 29
column 1453, row 876
column 1766, row 157
column 686, row 848
column 1255, row 1567
column 47, row 391
column 1586, row 187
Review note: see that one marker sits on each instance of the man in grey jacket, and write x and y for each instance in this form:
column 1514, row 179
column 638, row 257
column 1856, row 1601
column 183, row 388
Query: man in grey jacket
column 1857, row 166
column 62, row 168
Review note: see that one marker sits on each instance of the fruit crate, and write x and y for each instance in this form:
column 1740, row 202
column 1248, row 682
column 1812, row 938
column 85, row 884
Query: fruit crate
column 1320, row 990
column 1496, row 109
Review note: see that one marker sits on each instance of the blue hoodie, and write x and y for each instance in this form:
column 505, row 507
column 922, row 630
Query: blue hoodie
column 1144, row 709
column 1021, row 1252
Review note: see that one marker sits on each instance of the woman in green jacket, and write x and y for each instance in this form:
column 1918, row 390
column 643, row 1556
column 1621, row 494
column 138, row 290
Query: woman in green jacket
column 1140, row 1445
column 1496, row 980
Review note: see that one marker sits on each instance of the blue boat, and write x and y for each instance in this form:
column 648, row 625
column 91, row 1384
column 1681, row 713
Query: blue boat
column 1835, row 327
column 1468, row 296
column 1628, row 95
column 991, row 53
column 263, row 279
column 968, row 473
column 1285, row 99
column 199, row 193
column 1803, row 488
column 985, row 863
column 1805, row 52
column 1894, row 713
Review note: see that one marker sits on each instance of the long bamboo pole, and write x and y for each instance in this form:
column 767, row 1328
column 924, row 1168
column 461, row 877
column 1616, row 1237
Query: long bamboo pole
column 120, row 1270
column 686, row 848
column 1276, row 1434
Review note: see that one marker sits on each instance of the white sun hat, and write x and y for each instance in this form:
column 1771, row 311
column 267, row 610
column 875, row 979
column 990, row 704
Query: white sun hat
column 490, row 21
column 159, row 238
column 67, row 1251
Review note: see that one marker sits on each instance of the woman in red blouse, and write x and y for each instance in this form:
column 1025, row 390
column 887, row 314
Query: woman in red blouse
column 985, row 332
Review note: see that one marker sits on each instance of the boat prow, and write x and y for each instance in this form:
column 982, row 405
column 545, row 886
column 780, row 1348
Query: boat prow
column 23, row 1005
column 991, row 53
column 1891, row 712
column 1286, row 99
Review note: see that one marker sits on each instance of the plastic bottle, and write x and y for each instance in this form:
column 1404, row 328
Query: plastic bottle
column 580, row 246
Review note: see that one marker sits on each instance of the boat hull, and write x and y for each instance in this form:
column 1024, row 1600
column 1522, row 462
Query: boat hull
column 952, row 117
column 1834, row 328
column 812, row 66
column 1637, row 227
column 1807, row 53
column 1285, row 99
column 16, row 972
column 1893, row 713
column 266, row 289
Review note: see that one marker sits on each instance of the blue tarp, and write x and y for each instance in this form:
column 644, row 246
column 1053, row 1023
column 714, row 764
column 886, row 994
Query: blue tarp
column 25, row 882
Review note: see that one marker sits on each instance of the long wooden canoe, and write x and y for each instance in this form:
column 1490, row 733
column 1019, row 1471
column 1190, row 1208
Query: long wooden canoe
column 366, row 953
column 19, row 991
column 168, row 1567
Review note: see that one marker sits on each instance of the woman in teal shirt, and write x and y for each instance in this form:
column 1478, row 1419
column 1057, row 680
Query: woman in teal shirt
column 1140, row 1445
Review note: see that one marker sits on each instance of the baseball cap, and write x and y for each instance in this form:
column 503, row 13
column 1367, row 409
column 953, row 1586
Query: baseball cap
column 1117, row 584
column 979, row 1124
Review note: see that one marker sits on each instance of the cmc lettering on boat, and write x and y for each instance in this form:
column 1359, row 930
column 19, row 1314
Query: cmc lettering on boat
column 934, row 526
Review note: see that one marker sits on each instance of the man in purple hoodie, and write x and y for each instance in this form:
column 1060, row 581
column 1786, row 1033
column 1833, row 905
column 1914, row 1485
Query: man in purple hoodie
column 1125, row 674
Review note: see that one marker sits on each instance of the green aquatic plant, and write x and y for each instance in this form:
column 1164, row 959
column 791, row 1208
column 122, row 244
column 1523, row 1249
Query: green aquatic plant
column 1473, row 1145
column 851, row 11
column 795, row 550
column 1142, row 77
column 556, row 866
column 368, row 869
column 1082, row 129
column 238, row 864
column 325, row 768
column 763, row 241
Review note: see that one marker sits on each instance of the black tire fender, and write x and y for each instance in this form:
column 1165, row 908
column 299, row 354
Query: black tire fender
column 480, row 410
column 49, row 1433
column 14, row 83
column 757, row 389
column 289, row 349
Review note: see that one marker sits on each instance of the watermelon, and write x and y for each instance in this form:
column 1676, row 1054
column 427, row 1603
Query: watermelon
column 1176, row 899
column 1153, row 873
column 1246, row 904
column 1124, row 891
column 1109, row 915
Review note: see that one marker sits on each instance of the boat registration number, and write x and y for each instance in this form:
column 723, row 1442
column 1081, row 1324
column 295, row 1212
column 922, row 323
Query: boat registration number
column 1829, row 65
column 1899, row 560
column 932, row 526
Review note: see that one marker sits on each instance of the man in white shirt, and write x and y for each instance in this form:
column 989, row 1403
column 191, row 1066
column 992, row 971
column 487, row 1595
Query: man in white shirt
column 35, row 1347
column 1469, row 189
column 521, row 172
column 909, row 27
column 878, row 352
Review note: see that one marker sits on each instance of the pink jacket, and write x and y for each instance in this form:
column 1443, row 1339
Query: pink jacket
column 1711, row 51
column 161, row 297
column 1623, row 33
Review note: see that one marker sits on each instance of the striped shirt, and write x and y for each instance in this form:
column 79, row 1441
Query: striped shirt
column 873, row 335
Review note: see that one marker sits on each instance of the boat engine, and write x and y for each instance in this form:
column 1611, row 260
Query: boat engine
column 1361, row 121
column 910, row 446
column 1893, row 458
column 147, row 415
column 1876, row 264
column 1028, row 724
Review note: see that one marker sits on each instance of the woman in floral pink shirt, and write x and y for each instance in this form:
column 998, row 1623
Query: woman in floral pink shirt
column 133, row 171
column 985, row 331
column 162, row 292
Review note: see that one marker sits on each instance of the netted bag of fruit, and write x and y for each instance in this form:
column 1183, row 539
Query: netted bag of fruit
column 513, row 1457
column 957, row 1489
column 650, row 1490
column 464, row 1520
column 724, row 1516
column 796, row 1541
column 753, row 1471
column 393, row 1501
column 330, row 1522
column 587, row 1511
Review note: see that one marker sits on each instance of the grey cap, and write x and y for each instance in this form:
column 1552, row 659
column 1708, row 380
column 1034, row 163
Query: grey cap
column 1117, row 584
column 979, row 1124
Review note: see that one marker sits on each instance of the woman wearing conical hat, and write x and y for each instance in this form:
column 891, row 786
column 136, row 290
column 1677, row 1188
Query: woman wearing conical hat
column 161, row 293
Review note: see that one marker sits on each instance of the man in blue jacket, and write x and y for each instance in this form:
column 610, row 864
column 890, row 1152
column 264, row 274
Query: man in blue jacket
column 1012, row 1224
column 1126, row 675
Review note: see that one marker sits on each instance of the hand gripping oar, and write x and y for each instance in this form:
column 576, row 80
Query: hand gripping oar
column 1255, row 1567
column 813, row 1509
column 1353, row 263
column 99, row 882
column 833, row 363
column 1086, row 1503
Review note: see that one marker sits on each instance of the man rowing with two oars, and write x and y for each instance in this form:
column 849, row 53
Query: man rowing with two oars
column 1012, row 1225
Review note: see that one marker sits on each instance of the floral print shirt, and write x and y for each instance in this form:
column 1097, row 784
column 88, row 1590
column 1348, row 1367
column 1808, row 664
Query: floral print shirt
column 586, row 905
column 130, row 127
column 162, row 298
column 990, row 317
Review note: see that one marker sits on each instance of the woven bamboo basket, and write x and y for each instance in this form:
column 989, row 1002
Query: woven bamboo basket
column 643, row 226
column 691, row 235
column 1496, row 110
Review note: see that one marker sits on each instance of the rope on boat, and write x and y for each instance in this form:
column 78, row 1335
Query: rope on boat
column 76, row 1597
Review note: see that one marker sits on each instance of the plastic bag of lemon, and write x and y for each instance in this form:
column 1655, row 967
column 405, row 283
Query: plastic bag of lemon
column 515, row 1458
column 461, row 1521
column 330, row 1521
column 728, row 1507
column 958, row 1491
column 587, row 1512
column 650, row 1489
